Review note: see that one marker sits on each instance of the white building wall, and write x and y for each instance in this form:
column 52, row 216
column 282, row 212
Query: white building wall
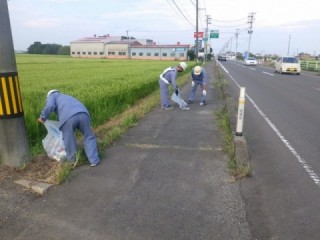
column 87, row 50
column 101, row 49
column 160, row 53
column 116, row 51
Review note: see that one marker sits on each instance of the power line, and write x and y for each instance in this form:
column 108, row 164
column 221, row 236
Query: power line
column 182, row 13
column 233, row 26
column 237, row 20
column 183, row 9
column 201, row 20
column 160, row 31
column 174, row 9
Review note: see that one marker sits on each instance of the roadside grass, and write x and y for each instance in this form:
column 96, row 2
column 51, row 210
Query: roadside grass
column 106, row 87
column 63, row 173
column 236, row 168
column 224, row 125
column 143, row 99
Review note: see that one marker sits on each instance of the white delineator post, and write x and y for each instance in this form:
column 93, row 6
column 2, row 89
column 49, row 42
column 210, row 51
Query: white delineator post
column 242, row 101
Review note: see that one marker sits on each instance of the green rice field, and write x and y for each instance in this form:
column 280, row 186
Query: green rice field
column 106, row 87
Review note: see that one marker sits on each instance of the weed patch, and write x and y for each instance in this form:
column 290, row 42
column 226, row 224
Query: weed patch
column 236, row 168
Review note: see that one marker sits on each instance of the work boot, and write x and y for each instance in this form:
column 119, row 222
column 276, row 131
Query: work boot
column 203, row 103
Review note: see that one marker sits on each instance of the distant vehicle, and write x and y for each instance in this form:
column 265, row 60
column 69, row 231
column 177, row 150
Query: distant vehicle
column 287, row 65
column 222, row 58
column 250, row 61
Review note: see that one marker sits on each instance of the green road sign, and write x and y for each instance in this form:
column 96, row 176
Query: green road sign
column 214, row 34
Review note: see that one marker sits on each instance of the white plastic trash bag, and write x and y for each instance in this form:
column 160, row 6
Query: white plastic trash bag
column 177, row 99
column 53, row 142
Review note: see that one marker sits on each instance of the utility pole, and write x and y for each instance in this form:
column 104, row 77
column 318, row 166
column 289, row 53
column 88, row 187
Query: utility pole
column 226, row 47
column 250, row 31
column 237, row 35
column 128, row 44
column 207, row 37
column 14, row 148
column 288, row 52
column 197, row 29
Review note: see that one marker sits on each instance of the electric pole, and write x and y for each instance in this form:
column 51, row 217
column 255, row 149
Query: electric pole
column 208, row 21
column 250, row 31
column 289, row 45
column 197, row 29
column 237, row 35
column 128, row 44
column 14, row 148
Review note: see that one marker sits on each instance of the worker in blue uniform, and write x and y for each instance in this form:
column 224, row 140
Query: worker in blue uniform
column 199, row 79
column 72, row 115
column 169, row 76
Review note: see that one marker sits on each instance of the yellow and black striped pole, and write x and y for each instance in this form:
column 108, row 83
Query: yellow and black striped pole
column 10, row 97
column 14, row 148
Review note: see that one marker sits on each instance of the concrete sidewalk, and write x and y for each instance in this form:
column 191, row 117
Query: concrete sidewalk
column 166, row 178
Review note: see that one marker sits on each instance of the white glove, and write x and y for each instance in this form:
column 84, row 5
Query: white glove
column 192, row 84
column 204, row 92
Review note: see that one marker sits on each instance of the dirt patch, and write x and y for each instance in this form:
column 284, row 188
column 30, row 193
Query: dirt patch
column 41, row 168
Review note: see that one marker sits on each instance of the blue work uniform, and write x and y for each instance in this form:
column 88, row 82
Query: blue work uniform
column 168, row 76
column 72, row 115
column 199, row 80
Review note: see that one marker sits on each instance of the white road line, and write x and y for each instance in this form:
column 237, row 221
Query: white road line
column 271, row 74
column 253, row 69
column 318, row 89
column 224, row 68
column 303, row 163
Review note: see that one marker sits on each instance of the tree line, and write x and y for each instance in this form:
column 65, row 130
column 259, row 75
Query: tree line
column 48, row 48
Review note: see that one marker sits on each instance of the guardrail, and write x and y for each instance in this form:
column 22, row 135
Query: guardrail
column 310, row 65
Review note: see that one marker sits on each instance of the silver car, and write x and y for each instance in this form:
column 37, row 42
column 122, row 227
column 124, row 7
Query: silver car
column 250, row 61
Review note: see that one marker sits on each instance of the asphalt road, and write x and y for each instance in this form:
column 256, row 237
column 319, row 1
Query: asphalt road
column 166, row 178
column 281, row 127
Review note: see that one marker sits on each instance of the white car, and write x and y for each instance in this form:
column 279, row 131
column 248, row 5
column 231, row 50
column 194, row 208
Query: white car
column 250, row 61
column 287, row 65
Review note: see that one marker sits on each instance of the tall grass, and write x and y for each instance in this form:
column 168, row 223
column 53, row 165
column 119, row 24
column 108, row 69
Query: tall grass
column 106, row 87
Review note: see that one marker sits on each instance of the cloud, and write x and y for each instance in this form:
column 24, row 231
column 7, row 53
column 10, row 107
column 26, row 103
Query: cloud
column 43, row 23
column 66, row 20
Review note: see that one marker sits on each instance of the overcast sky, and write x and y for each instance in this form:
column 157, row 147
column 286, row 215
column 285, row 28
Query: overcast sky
column 279, row 26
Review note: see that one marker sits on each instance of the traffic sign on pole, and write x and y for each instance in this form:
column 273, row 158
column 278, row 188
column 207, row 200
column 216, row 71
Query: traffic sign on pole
column 214, row 34
column 198, row 34
column 198, row 44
